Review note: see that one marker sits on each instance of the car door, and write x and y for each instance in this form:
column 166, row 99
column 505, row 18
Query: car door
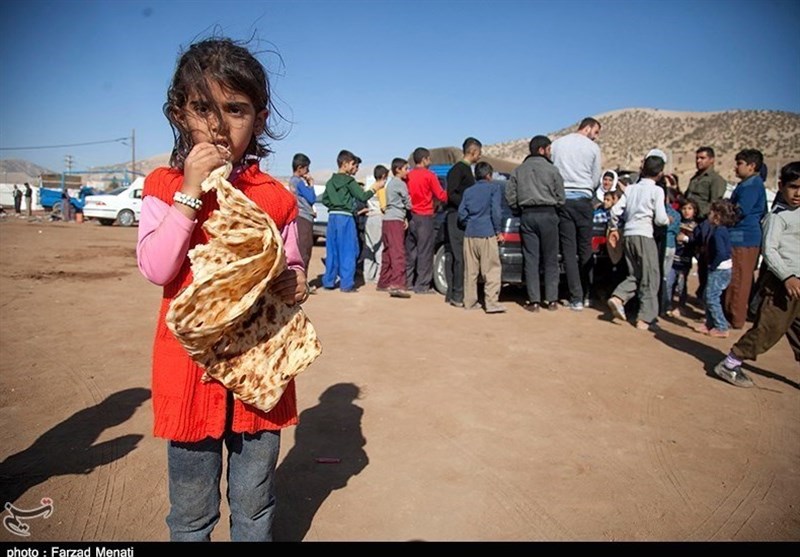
column 136, row 201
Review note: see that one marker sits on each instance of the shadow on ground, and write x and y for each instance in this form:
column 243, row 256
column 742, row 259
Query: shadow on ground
column 68, row 448
column 328, row 450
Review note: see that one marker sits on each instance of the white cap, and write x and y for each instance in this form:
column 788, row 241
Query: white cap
column 658, row 153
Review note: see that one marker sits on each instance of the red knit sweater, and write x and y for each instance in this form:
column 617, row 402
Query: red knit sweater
column 186, row 409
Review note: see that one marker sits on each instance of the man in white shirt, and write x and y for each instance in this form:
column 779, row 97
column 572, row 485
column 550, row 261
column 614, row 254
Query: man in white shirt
column 578, row 158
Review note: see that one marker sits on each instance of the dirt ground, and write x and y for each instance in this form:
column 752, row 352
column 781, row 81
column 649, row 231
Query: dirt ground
column 447, row 424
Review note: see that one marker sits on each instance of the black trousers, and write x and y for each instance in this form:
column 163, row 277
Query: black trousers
column 419, row 252
column 538, row 228
column 575, row 235
column 454, row 270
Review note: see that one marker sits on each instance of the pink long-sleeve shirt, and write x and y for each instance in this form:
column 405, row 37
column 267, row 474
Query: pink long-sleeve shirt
column 164, row 234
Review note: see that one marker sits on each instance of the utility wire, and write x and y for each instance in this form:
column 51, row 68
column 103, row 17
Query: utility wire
column 65, row 145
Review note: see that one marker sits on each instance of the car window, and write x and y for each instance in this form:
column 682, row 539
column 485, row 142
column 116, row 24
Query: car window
column 117, row 191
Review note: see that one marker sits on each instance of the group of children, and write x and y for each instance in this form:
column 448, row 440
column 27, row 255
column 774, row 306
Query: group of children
column 398, row 241
column 713, row 241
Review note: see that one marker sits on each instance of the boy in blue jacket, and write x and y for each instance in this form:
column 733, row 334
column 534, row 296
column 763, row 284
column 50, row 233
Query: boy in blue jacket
column 480, row 213
column 750, row 199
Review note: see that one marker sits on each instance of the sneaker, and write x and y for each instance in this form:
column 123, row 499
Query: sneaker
column 456, row 304
column 532, row 307
column 734, row 376
column 674, row 313
column 552, row 306
column 617, row 308
column 426, row 291
column 495, row 309
column 643, row 325
column 397, row 293
column 576, row 306
column 587, row 303
column 716, row 333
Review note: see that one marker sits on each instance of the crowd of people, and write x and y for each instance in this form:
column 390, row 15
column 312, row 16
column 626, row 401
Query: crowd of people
column 655, row 233
column 217, row 106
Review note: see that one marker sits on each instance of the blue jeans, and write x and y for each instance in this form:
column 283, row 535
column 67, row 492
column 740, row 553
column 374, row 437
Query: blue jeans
column 195, row 470
column 716, row 283
column 676, row 283
column 341, row 252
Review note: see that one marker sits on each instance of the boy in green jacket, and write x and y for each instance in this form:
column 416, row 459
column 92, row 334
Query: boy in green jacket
column 341, row 240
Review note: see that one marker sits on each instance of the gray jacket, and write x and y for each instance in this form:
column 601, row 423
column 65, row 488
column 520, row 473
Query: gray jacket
column 398, row 202
column 535, row 183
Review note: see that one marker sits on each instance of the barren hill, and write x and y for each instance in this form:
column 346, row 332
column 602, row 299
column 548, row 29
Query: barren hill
column 628, row 134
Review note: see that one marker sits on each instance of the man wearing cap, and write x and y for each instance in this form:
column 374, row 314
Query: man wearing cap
column 578, row 158
column 706, row 186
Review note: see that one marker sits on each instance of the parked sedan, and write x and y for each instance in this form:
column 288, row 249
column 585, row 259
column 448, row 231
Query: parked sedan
column 122, row 205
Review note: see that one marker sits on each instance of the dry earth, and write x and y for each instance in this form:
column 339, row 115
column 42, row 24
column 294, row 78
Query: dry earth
column 449, row 425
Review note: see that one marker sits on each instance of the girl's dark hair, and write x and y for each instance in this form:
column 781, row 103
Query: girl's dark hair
column 232, row 66
column 726, row 211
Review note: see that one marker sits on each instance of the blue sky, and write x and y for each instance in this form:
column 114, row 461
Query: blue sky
column 382, row 77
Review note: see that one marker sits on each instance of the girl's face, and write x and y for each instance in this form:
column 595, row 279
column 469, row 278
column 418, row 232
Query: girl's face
column 238, row 125
column 607, row 182
column 687, row 211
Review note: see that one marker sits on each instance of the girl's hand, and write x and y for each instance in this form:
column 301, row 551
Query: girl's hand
column 202, row 159
column 291, row 286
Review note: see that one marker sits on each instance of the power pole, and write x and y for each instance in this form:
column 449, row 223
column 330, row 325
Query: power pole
column 68, row 161
column 133, row 154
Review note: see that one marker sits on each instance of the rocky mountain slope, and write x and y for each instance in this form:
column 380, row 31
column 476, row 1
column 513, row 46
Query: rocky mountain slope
column 627, row 135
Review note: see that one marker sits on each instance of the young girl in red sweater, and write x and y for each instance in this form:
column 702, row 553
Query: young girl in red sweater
column 218, row 105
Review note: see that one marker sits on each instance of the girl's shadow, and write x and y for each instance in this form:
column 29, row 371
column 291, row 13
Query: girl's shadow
column 328, row 450
column 70, row 447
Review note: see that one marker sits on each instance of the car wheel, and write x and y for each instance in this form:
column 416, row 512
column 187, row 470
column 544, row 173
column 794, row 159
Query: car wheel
column 439, row 275
column 106, row 222
column 125, row 218
column 56, row 209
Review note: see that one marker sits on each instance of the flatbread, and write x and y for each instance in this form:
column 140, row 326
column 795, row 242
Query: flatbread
column 227, row 319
